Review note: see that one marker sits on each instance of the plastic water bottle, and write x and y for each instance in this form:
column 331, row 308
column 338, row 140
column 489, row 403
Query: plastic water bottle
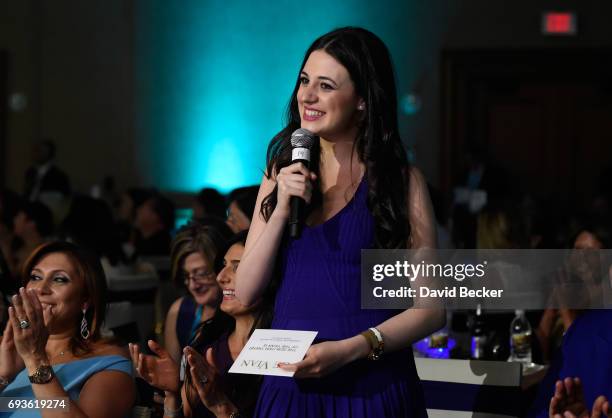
column 479, row 336
column 520, row 338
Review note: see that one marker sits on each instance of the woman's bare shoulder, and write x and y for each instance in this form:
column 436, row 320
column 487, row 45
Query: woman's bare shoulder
column 420, row 211
column 105, row 348
column 176, row 306
column 415, row 177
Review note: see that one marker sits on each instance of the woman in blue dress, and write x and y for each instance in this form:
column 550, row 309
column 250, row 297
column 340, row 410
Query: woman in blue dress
column 52, row 348
column 360, row 193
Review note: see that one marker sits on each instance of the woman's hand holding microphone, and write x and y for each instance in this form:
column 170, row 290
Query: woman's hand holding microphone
column 293, row 180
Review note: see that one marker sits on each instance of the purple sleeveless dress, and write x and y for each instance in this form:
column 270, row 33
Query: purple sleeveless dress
column 321, row 291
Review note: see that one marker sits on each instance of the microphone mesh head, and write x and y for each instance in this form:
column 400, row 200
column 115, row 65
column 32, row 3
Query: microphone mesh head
column 302, row 138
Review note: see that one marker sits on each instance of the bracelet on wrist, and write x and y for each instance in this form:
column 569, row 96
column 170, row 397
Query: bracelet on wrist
column 227, row 410
column 173, row 413
column 374, row 338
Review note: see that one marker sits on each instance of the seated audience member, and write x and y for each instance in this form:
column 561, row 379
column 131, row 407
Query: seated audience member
column 500, row 225
column 44, row 176
column 32, row 225
column 154, row 222
column 240, row 208
column 568, row 401
column 52, row 348
column 125, row 212
column 585, row 354
column 555, row 322
column 194, row 250
column 89, row 224
column 208, row 202
column 107, row 192
column 10, row 203
column 209, row 390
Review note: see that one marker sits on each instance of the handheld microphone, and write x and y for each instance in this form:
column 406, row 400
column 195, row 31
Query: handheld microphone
column 301, row 143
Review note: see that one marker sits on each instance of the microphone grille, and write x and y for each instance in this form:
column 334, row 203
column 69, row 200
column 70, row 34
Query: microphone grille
column 302, row 138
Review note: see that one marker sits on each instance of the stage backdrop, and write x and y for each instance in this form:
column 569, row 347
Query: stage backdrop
column 213, row 77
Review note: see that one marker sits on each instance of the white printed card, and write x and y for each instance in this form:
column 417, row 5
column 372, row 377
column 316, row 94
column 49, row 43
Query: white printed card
column 268, row 347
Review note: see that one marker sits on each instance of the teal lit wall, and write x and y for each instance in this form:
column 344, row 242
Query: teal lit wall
column 213, row 78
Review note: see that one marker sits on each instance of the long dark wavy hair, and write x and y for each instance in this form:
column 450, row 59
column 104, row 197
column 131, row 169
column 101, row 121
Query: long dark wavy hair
column 378, row 144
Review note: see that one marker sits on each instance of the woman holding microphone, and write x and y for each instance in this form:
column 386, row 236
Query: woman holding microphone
column 360, row 193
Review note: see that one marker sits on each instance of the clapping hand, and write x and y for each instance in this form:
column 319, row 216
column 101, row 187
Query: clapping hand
column 159, row 370
column 205, row 378
column 568, row 402
column 30, row 333
column 11, row 362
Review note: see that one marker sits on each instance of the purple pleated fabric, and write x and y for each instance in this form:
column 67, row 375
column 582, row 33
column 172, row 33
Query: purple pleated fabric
column 321, row 291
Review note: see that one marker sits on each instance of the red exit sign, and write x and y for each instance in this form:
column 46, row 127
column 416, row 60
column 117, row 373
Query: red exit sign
column 559, row 23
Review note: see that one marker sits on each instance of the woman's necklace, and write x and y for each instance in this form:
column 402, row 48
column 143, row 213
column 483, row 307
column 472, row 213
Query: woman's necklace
column 58, row 356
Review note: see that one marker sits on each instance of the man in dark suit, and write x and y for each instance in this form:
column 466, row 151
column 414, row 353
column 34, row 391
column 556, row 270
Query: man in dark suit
column 44, row 176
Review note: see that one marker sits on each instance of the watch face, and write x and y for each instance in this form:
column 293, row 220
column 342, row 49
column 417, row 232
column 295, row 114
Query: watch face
column 46, row 373
column 43, row 374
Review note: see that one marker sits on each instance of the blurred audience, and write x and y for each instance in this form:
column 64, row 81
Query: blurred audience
column 44, row 176
column 32, row 225
column 208, row 202
column 501, row 226
column 10, row 204
column 479, row 171
column 241, row 205
column 556, row 322
column 154, row 222
column 125, row 212
column 90, row 224
column 106, row 191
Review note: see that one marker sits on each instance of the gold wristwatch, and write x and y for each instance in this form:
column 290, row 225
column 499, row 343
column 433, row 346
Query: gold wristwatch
column 43, row 374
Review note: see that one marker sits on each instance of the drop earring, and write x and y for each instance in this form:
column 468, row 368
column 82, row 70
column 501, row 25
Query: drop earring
column 84, row 329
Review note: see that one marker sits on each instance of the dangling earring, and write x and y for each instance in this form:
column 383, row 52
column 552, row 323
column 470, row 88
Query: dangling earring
column 361, row 106
column 84, row 329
